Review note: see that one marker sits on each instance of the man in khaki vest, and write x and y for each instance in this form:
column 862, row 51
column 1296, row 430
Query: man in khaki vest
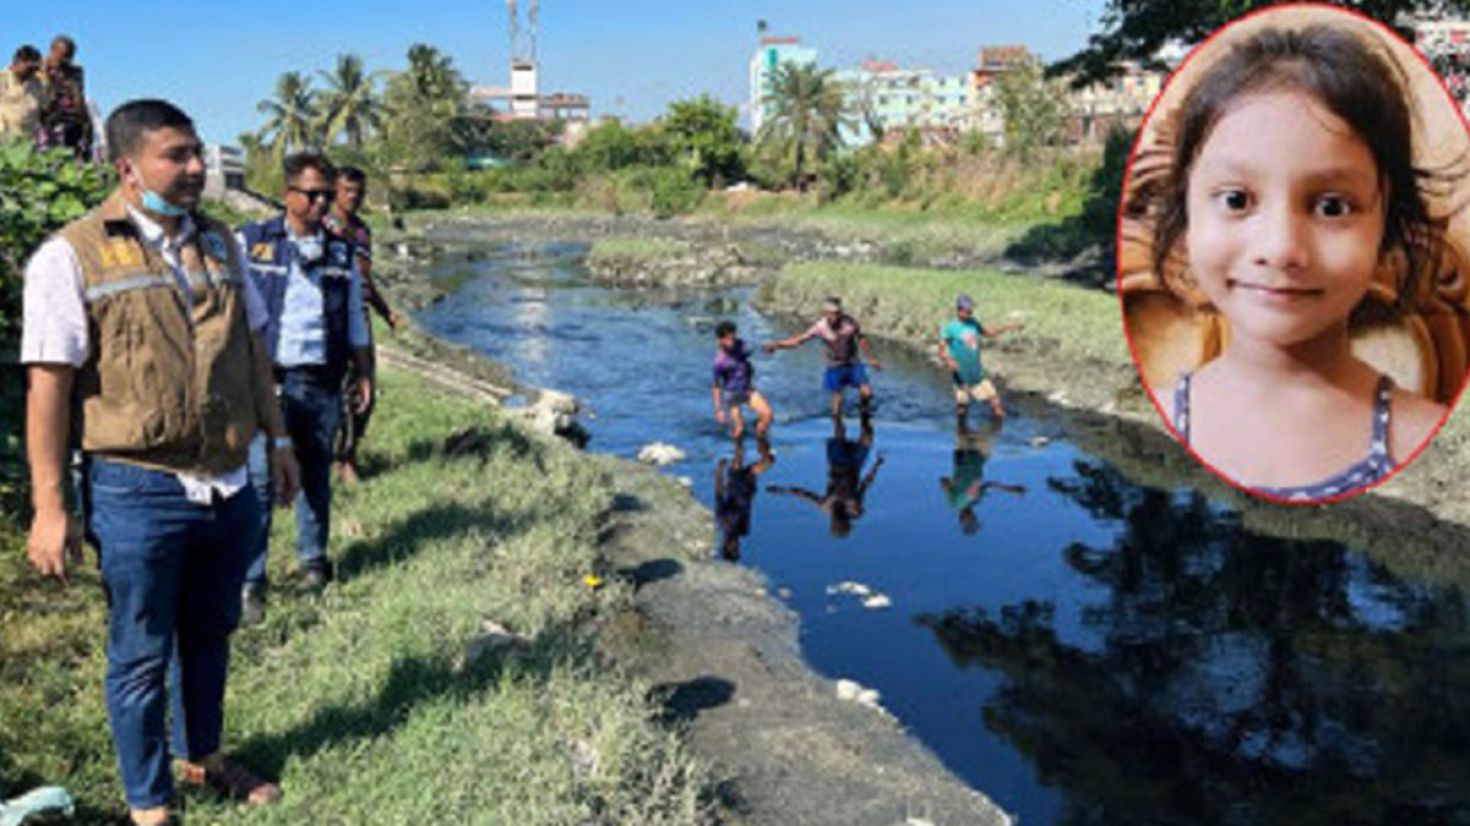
column 141, row 328
column 22, row 96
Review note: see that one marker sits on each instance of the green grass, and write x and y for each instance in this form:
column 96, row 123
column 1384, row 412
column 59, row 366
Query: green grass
column 909, row 304
column 356, row 699
column 637, row 250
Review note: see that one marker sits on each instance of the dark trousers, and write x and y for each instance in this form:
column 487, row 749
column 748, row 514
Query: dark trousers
column 311, row 402
column 354, row 422
column 172, row 571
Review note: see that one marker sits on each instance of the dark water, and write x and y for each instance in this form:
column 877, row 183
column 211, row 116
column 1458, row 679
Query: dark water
column 1082, row 648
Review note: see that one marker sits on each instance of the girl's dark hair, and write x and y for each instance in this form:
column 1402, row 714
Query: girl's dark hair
column 1354, row 81
column 724, row 328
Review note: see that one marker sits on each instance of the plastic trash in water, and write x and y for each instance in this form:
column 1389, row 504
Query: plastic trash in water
column 45, row 800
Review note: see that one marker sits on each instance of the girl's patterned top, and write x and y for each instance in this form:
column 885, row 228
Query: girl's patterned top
column 1365, row 471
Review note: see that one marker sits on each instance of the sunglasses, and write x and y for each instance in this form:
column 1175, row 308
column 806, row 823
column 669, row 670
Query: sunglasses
column 314, row 194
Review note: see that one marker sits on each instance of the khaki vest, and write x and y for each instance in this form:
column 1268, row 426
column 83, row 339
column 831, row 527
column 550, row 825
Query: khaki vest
column 163, row 385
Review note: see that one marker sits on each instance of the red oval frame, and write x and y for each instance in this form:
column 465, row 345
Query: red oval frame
column 1118, row 268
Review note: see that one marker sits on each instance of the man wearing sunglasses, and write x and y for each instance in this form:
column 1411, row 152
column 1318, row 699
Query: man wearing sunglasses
column 313, row 292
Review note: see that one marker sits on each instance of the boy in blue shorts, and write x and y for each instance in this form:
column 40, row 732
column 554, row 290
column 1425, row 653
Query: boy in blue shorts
column 959, row 349
column 734, row 384
column 845, row 367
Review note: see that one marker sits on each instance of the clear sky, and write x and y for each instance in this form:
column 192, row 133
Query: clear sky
column 632, row 57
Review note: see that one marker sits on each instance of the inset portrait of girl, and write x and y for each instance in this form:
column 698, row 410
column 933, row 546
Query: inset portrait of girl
column 1292, row 255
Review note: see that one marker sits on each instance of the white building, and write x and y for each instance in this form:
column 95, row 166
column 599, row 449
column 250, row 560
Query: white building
column 773, row 52
column 885, row 97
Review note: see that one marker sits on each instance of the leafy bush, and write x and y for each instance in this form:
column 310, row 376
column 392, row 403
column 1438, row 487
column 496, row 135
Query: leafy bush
column 673, row 192
column 39, row 193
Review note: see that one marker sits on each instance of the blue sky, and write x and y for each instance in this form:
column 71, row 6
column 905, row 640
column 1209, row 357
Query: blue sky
column 218, row 60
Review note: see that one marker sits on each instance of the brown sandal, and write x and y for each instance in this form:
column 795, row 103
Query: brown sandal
column 231, row 779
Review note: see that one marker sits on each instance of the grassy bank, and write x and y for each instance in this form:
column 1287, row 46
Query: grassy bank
column 635, row 252
column 362, row 701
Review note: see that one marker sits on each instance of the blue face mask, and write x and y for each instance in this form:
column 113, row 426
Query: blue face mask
column 155, row 203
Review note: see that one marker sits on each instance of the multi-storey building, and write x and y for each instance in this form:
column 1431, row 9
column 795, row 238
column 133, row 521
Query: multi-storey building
column 773, row 52
column 883, row 97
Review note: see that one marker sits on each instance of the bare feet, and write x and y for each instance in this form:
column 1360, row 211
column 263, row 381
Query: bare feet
column 347, row 472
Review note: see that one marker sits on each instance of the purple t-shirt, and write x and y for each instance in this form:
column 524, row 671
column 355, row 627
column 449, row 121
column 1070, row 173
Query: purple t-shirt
column 841, row 340
column 733, row 371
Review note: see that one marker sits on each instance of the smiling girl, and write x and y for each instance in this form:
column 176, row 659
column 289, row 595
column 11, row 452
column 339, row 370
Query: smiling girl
column 1292, row 182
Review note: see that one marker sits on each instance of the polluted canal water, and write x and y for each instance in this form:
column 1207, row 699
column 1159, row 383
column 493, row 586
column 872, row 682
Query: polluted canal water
column 1081, row 647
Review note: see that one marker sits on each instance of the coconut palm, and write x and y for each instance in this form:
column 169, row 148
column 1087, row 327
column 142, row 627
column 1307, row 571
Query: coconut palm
column 434, row 76
column 807, row 117
column 293, row 116
column 350, row 105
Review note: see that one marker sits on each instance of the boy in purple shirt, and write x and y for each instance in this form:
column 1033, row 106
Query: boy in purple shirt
column 734, row 384
column 845, row 366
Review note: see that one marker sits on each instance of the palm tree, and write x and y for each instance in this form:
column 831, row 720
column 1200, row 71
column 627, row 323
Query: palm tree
column 434, row 76
column 292, row 115
column 350, row 104
column 807, row 117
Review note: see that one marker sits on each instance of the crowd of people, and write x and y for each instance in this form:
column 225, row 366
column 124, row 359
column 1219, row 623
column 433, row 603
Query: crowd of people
column 183, row 377
column 43, row 100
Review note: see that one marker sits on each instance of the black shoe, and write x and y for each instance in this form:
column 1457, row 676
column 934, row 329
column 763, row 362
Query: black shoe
column 252, row 603
column 317, row 575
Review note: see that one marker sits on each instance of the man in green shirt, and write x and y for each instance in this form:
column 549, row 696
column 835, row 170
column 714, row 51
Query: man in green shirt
column 959, row 349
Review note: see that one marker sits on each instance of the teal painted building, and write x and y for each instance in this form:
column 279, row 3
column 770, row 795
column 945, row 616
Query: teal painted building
column 773, row 52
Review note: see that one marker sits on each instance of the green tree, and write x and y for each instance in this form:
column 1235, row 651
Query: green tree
column 350, row 105
column 293, row 116
column 703, row 133
column 1034, row 109
column 612, row 146
column 39, row 193
column 426, row 105
column 807, row 117
column 1135, row 30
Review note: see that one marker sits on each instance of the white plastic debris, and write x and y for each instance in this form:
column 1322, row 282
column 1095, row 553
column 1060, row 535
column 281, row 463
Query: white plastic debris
column 854, row 692
column 660, row 454
column 849, row 587
column 876, row 601
column 1039, row 441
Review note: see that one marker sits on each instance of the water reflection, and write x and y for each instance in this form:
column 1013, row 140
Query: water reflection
column 846, row 485
column 966, row 485
column 1238, row 679
column 736, row 485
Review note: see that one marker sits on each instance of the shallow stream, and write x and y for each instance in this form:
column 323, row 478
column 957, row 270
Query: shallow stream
column 1082, row 648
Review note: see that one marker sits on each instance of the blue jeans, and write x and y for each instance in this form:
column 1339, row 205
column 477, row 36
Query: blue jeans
column 312, row 405
column 172, row 571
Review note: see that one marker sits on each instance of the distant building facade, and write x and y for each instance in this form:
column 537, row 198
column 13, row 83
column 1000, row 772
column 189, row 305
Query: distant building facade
column 885, row 98
column 1116, row 104
column 772, row 53
column 992, row 63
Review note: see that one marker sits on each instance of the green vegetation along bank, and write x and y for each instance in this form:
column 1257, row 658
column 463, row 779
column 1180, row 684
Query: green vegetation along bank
column 375, row 703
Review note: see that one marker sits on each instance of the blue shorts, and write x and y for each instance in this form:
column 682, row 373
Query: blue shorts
column 850, row 375
column 843, row 453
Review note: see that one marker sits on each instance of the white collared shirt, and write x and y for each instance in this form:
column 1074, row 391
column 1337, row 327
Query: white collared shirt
column 54, row 319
